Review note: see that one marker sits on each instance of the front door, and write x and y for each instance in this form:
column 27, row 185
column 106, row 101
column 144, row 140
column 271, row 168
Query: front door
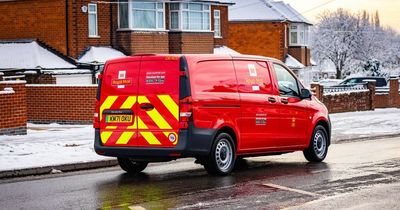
column 294, row 113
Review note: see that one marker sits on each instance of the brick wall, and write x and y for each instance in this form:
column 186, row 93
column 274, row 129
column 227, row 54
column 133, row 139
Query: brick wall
column 258, row 38
column 61, row 104
column 348, row 102
column 40, row 79
column 224, row 25
column 30, row 19
column 137, row 42
column 78, row 32
column 301, row 53
column 382, row 100
column 191, row 42
column 360, row 100
column 13, row 106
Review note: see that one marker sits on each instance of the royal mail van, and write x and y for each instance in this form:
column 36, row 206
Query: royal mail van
column 215, row 108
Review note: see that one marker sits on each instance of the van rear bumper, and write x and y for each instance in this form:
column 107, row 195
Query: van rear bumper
column 193, row 142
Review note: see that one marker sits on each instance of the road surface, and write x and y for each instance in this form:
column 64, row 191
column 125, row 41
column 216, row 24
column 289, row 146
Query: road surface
column 355, row 175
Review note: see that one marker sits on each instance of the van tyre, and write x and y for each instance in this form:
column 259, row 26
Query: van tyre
column 132, row 167
column 221, row 160
column 318, row 148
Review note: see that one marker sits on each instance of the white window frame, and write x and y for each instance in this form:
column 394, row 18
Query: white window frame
column 130, row 16
column 217, row 17
column 180, row 17
column 302, row 32
column 96, row 35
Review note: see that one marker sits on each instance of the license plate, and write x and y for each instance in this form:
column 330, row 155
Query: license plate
column 119, row 118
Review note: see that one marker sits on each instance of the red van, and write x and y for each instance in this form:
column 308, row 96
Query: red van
column 215, row 108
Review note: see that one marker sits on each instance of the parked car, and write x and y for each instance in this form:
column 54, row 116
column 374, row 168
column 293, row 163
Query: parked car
column 330, row 82
column 214, row 108
column 353, row 81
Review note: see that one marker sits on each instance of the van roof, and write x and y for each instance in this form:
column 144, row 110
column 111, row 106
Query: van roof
column 192, row 57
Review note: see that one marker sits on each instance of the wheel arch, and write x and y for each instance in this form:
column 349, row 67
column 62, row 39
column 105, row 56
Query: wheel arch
column 326, row 124
column 229, row 130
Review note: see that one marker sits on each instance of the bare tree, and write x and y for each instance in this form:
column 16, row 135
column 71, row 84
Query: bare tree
column 335, row 38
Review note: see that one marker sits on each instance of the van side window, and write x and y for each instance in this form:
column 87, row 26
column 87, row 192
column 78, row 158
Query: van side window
column 287, row 83
column 253, row 77
column 214, row 76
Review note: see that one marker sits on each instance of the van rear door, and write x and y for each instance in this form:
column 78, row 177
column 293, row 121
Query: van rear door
column 118, row 105
column 158, row 101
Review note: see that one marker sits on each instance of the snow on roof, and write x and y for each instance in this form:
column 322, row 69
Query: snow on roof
column 67, row 71
column 29, row 55
column 293, row 62
column 253, row 10
column 289, row 12
column 264, row 10
column 223, row 50
column 99, row 55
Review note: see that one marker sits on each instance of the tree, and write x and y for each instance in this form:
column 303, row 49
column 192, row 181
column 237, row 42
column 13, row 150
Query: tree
column 355, row 42
column 335, row 38
column 372, row 67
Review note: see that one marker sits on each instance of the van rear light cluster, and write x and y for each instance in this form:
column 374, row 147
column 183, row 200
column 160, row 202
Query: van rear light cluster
column 96, row 115
column 185, row 113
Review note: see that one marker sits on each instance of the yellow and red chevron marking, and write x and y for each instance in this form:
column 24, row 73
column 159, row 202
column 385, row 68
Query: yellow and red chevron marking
column 149, row 128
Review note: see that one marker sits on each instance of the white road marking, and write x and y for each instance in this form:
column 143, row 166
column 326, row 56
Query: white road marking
column 290, row 189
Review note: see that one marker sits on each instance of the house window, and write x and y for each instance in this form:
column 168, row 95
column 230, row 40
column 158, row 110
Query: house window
column 217, row 23
column 299, row 34
column 190, row 17
column 92, row 20
column 141, row 15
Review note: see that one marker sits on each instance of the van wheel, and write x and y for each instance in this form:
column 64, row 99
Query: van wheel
column 318, row 148
column 130, row 166
column 222, row 158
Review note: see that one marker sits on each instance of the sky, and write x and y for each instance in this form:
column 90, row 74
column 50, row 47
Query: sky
column 389, row 10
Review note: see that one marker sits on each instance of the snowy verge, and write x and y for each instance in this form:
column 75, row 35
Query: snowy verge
column 369, row 124
column 48, row 145
column 54, row 144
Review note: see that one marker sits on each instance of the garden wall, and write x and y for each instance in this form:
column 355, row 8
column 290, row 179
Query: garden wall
column 61, row 104
column 13, row 108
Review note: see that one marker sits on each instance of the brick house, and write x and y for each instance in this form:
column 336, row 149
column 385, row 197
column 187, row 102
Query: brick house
column 71, row 27
column 270, row 28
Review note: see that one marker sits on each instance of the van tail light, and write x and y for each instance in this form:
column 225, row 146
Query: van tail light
column 185, row 112
column 96, row 115
column 96, row 118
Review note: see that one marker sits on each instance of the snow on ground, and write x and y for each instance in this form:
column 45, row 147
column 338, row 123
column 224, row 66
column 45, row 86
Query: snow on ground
column 47, row 145
column 365, row 124
column 54, row 144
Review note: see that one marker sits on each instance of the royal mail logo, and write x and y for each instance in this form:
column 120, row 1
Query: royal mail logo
column 121, row 82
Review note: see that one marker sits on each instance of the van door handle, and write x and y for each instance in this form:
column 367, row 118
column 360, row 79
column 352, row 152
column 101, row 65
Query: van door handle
column 284, row 100
column 147, row 106
column 272, row 99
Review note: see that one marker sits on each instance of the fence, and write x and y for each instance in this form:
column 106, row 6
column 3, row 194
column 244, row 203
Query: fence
column 328, row 90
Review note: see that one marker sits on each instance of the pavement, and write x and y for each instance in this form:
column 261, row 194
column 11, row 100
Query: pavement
column 64, row 148
column 355, row 175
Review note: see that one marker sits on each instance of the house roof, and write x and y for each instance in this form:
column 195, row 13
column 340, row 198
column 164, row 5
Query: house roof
column 29, row 54
column 293, row 62
column 265, row 10
column 99, row 55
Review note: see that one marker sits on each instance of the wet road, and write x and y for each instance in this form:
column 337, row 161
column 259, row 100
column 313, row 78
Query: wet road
column 359, row 175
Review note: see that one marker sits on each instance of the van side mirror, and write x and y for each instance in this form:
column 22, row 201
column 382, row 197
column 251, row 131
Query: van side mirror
column 305, row 94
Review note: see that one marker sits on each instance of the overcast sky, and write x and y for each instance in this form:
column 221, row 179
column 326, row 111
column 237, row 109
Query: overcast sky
column 389, row 10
